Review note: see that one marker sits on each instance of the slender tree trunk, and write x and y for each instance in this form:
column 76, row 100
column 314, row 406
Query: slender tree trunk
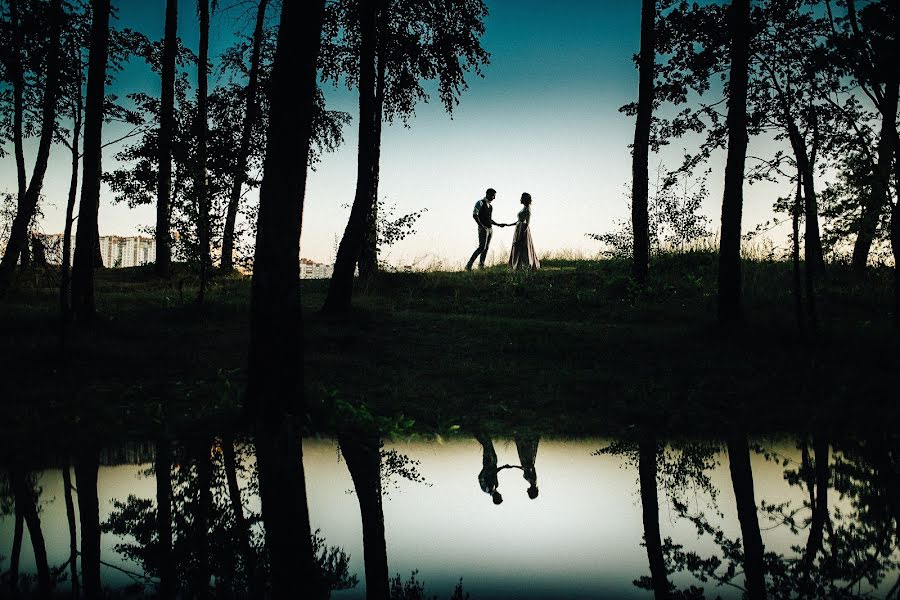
column 640, row 220
column 363, row 456
column 86, row 238
column 742, row 481
column 881, row 192
column 340, row 290
column 202, row 129
column 66, row 266
column 813, row 242
column 166, row 133
column 26, row 505
column 98, row 253
column 163, row 468
column 87, row 465
column 73, row 531
column 17, row 75
column 647, row 467
column 242, row 531
column 251, row 113
column 730, row 310
column 16, row 551
column 275, row 385
column 202, row 519
column 795, row 252
column 27, row 203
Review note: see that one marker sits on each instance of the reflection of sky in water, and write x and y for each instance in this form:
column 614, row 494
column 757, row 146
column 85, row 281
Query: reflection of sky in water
column 580, row 538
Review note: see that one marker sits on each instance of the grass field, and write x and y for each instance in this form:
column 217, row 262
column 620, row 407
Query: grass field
column 573, row 348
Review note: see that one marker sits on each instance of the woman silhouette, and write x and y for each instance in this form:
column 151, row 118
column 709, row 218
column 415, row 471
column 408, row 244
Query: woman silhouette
column 522, row 255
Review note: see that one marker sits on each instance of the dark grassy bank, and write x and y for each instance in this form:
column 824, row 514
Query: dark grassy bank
column 573, row 348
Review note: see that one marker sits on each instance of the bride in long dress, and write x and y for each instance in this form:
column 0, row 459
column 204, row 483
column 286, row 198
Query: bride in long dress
column 522, row 255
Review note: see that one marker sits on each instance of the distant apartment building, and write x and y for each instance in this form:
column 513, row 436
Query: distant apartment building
column 132, row 251
column 116, row 250
column 312, row 270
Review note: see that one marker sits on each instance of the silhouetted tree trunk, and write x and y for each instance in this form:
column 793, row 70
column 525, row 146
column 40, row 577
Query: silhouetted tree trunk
column 368, row 256
column 86, row 239
column 795, row 252
column 640, row 220
column 73, row 531
column 340, row 290
column 242, row 531
column 275, row 384
column 87, row 465
column 202, row 129
column 742, row 482
column 647, row 466
column 65, row 267
column 16, row 551
column 201, row 519
column 363, row 455
column 163, row 468
column 26, row 204
column 166, row 132
column 729, row 299
column 26, row 506
column 251, row 113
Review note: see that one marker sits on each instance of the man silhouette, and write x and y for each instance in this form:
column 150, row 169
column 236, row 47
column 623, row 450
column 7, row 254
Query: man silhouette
column 483, row 217
column 487, row 478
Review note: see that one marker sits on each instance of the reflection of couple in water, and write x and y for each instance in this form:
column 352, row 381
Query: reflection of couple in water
column 526, row 446
column 522, row 254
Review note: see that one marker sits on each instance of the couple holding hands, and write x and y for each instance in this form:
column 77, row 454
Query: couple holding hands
column 522, row 254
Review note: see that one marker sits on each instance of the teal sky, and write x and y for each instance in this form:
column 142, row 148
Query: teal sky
column 544, row 119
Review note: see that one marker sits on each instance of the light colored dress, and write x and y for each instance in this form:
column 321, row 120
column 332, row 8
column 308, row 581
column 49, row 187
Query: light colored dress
column 522, row 255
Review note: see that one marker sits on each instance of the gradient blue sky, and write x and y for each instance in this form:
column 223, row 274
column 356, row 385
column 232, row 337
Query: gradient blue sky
column 544, row 119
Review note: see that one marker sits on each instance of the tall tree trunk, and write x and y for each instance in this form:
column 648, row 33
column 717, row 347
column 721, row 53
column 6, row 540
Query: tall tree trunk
column 813, row 242
column 66, row 266
column 16, row 551
column 368, row 256
column 881, row 190
column 166, row 133
column 729, row 299
column 73, row 531
column 202, row 129
column 26, row 204
column 251, row 112
column 340, row 290
column 25, row 504
column 87, row 465
column 163, row 468
column 795, row 252
column 275, row 385
column 242, row 531
column 640, row 179
column 98, row 253
column 742, row 482
column 647, row 467
column 86, row 235
column 17, row 74
column 363, row 455
column 202, row 519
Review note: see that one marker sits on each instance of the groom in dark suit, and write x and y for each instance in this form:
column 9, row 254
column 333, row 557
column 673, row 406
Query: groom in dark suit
column 483, row 215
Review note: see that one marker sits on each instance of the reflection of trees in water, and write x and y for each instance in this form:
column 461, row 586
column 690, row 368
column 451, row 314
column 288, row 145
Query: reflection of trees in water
column 681, row 470
column 846, row 551
column 213, row 534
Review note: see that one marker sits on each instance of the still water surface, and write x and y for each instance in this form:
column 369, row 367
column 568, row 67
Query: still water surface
column 580, row 537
